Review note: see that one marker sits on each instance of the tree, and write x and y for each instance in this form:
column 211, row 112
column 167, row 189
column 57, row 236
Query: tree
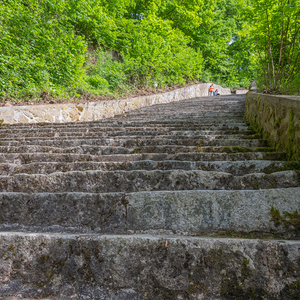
column 273, row 29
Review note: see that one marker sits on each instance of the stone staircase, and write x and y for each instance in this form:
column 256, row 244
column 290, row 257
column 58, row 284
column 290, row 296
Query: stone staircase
column 170, row 201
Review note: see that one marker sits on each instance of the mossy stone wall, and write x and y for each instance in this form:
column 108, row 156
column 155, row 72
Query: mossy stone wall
column 277, row 118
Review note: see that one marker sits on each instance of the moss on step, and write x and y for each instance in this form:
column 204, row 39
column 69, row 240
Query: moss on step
column 291, row 165
column 291, row 291
column 136, row 151
column 289, row 220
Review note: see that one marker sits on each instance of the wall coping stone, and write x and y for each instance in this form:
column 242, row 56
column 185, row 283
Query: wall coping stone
column 94, row 111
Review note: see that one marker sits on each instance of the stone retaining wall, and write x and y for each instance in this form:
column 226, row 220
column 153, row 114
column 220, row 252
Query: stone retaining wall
column 278, row 119
column 93, row 111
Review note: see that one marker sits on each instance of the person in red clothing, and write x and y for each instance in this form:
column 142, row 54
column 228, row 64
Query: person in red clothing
column 211, row 90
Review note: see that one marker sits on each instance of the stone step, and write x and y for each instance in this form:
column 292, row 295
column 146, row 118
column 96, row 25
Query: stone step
column 163, row 118
column 89, row 139
column 26, row 158
column 112, row 127
column 150, row 116
column 232, row 167
column 108, row 150
column 118, row 124
column 185, row 110
column 172, row 212
column 136, row 134
column 130, row 142
column 110, row 130
column 47, row 298
column 142, row 180
column 147, row 267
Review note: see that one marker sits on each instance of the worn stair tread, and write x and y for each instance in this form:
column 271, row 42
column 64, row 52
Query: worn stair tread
column 134, row 135
column 120, row 266
column 113, row 129
column 142, row 141
column 233, row 167
column 26, row 158
column 139, row 134
column 143, row 180
column 118, row 131
column 125, row 120
column 183, row 212
column 106, row 150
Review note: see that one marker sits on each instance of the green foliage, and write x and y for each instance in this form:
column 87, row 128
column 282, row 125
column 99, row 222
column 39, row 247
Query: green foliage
column 154, row 51
column 286, row 220
column 104, row 74
column 98, row 82
column 64, row 47
column 37, row 52
column 272, row 29
column 225, row 52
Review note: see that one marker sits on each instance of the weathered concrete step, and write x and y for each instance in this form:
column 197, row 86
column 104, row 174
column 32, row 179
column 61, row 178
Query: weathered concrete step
column 178, row 212
column 26, row 158
column 142, row 180
column 232, row 167
column 108, row 150
column 147, row 267
column 130, row 142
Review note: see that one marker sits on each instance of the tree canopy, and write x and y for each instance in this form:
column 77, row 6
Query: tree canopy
column 272, row 29
column 75, row 47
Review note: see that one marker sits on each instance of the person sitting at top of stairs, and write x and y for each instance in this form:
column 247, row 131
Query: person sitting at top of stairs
column 211, row 90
